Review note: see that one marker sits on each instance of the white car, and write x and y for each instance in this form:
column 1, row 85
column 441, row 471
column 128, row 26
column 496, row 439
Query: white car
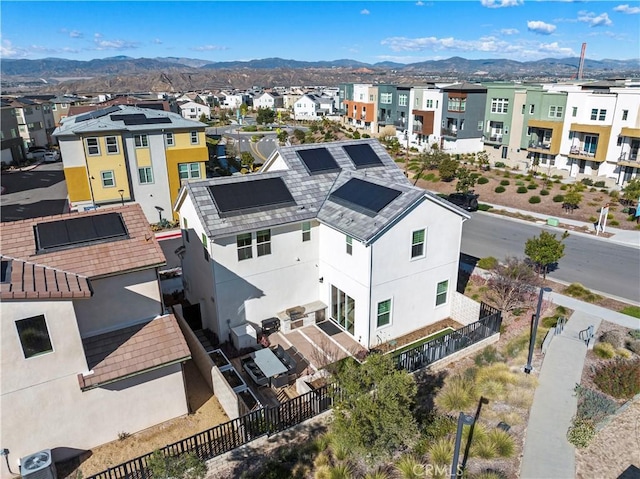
column 51, row 156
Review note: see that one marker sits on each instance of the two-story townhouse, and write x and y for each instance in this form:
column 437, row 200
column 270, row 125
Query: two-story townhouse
column 11, row 144
column 463, row 118
column 270, row 100
column 361, row 109
column 124, row 153
column 545, row 113
column 87, row 350
column 35, row 121
column 335, row 227
column 193, row 111
column 426, row 116
column 312, row 107
column 61, row 105
column 623, row 163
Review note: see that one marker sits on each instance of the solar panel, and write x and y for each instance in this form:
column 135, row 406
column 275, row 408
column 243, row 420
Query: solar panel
column 146, row 121
column 362, row 155
column 364, row 197
column 122, row 117
column 255, row 195
column 97, row 113
column 79, row 231
column 318, row 160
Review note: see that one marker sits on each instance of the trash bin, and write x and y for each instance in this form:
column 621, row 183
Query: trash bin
column 553, row 221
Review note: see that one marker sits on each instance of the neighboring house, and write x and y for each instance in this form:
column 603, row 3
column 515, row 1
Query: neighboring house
column 11, row 144
column 87, row 349
column 60, row 107
column 360, row 105
column 312, row 107
column 193, row 111
column 124, row 153
column 232, row 100
column 463, row 118
column 35, row 121
column 426, row 116
column 335, row 228
column 270, row 100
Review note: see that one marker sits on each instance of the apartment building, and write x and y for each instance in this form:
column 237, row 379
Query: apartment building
column 11, row 144
column 463, row 118
column 124, row 154
column 426, row 116
column 35, row 121
column 360, row 104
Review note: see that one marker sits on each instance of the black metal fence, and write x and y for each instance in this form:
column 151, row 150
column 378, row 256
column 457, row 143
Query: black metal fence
column 270, row 420
column 427, row 353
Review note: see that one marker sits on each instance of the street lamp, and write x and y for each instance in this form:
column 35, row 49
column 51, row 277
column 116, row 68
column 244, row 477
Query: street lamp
column 463, row 420
column 534, row 329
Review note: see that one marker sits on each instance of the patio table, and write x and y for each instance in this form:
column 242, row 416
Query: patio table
column 268, row 362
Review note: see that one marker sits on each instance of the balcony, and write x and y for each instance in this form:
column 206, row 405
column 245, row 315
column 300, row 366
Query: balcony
column 579, row 153
column 383, row 120
column 629, row 158
column 449, row 132
column 400, row 123
column 417, row 127
column 493, row 139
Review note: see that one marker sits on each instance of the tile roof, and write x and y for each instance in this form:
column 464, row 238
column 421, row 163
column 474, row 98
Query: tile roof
column 30, row 280
column 311, row 193
column 138, row 250
column 133, row 350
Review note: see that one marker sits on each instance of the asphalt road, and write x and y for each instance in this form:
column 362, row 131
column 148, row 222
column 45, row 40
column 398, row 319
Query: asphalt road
column 607, row 267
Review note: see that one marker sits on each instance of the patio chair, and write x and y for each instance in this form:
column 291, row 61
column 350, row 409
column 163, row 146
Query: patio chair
column 280, row 381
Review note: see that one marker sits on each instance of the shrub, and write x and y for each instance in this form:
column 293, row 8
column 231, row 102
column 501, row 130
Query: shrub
column 599, row 184
column 366, row 135
column 488, row 355
column 483, row 207
column 441, row 452
column 521, row 189
column 506, row 174
column 456, row 395
column 613, row 337
column 558, row 198
column 532, row 186
column 184, row 466
column 534, row 199
column 633, row 345
column 564, row 187
column 505, row 182
column 576, row 290
column 592, row 219
column 581, row 432
column 499, row 189
column 623, row 353
column 502, row 442
column 544, row 192
column 409, row 467
column 439, row 426
column 488, row 262
column 587, row 181
column 519, row 183
column 483, row 180
column 499, row 164
column 619, row 378
column 634, row 333
column 592, row 405
column 614, row 223
column 604, row 350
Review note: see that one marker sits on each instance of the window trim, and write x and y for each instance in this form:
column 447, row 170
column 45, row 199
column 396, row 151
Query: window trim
column 189, row 167
column 88, row 147
column 446, row 293
column 150, row 170
column 423, row 243
column 349, row 245
column 103, row 179
column 18, row 332
column 144, row 141
column 117, row 145
column 306, row 231
column 247, row 248
column 389, row 313
column 168, row 143
column 263, row 246
column 197, row 137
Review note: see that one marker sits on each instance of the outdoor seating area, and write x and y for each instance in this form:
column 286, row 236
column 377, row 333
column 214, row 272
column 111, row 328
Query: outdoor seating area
column 270, row 367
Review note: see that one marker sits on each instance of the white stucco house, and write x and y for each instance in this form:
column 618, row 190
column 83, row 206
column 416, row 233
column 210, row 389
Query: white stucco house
column 88, row 350
column 193, row 111
column 271, row 100
column 312, row 107
column 334, row 227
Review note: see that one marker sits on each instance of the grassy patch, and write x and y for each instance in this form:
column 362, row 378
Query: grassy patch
column 576, row 290
column 631, row 311
column 420, row 342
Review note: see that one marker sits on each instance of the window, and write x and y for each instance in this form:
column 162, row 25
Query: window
column 441, row 292
column 480, row 125
column 243, row 242
column 523, row 108
column 54, row 107
column 429, row 103
column 370, row 97
column 456, row 104
column 93, row 147
column 555, row 112
column 112, row 144
column 349, row 244
column 625, row 114
column 417, row 244
column 402, row 100
column 189, row 170
column 108, row 180
column 574, row 111
column 500, row 105
column 532, row 108
column 384, row 313
column 263, row 242
column 168, row 139
column 34, row 336
column 145, row 174
column 306, row 231
column 141, row 141
column 205, row 247
column 602, row 115
column 343, row 309
column 194, row 138
column 386, row 98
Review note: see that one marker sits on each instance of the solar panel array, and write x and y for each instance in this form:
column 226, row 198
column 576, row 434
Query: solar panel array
column 247, row 196
column 140, row 119
column 97, row 113
column 362, row 155
column 364, row 197
column 318, row 160
column 80, row 231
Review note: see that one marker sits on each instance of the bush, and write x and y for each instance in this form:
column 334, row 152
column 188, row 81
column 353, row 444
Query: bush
column 614, row 223
column 505, row 182
column 439, row 426
column 532, row 186
column 456, row 395
column 487, row 263
column 619, row 378
column 623, row 353
column 499, row 164
column 634, row 333
column 581, row 432
column 441, row 452
column 506, row 174
column 544, row 192
column 576, row 290
column 633, row 345
column 604, row 350
column 483, row 180
column 483, row 207
column 534, row 199
column 366, row 135
column 564, row 187
column 599, row 184
column 521, row 189
column 614, row 338
column 499, row 189
column 502, row 442
column 409, row 467
column 587, row 181
column 488, row 355
column 558, row 198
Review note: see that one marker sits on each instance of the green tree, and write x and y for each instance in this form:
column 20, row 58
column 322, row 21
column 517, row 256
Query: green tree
column 265, row 115
column 448, row 168
column 203, row 118
column 428, row 160
column 632, row 191
column 466, row 180
column 246, row 159
column 244, row 109
column 299, row 135
column 184, row 466
column 512, row 284
column 545, row 250
column 372, row 418
column 483, row 160
column 572, row 198
column 282, row 136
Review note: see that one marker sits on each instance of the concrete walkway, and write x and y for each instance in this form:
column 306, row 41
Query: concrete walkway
column 547, row 453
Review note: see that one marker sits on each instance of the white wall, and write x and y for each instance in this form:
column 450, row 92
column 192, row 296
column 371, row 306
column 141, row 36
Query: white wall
column 72, row 152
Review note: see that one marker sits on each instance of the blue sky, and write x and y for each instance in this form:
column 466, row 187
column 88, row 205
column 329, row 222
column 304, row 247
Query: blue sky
column 401, row 31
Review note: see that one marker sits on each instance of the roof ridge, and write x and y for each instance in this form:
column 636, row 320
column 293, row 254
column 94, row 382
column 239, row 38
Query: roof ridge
column 3, row 256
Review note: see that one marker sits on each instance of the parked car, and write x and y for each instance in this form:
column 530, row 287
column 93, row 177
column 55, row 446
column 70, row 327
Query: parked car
column 36, row 152
column 51, row 156
column 467, row 201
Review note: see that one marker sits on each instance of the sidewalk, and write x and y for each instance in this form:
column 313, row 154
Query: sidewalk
column 624, row 237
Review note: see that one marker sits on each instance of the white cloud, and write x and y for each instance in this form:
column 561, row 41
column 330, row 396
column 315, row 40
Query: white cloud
column 627, row 9
column 9, row 50
column 594, row 20
column 501, row 3
column 509, row 31
column 555, row 49
column 419, row 3
column 364, row 12
column 156, row 41
column 542, row 28
column 208, row 48
column 75, row 34
column 112, row 44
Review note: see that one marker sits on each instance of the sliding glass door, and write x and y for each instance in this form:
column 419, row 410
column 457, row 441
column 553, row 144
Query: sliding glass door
column 343, row 309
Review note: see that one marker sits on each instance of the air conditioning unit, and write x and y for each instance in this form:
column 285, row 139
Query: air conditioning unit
column 38, row 466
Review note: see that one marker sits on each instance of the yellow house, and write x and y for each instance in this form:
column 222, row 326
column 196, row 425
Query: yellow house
column 128, row 154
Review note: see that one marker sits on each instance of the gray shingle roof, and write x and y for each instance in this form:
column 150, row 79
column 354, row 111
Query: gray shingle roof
column 311, row 194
